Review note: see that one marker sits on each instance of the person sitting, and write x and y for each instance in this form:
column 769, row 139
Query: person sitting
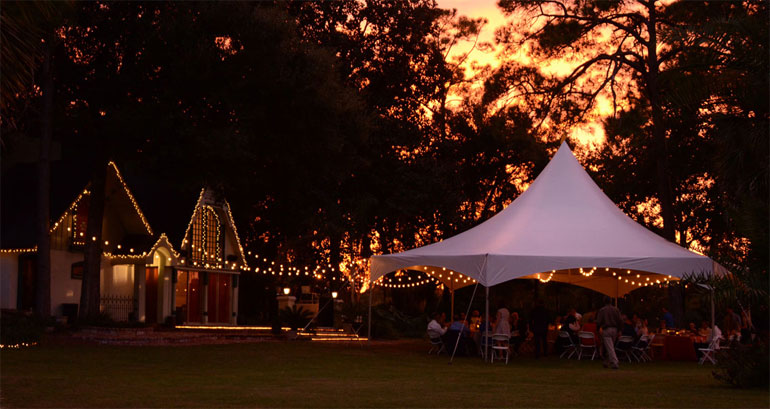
column 692, row 329
column 435, row 330
column 642, row 329
column 503, row 326
column 459, row 325
column 571, row 326
column 475, row 320
column 628, row 327
column 716, row 333
column 705, row 329
column 662, row 329
column 459, row 328
column 519, row 331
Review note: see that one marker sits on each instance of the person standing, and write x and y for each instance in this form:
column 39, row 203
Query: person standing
column 668, row 318
column 539, row 327
column 732, row 324
column 609, row 321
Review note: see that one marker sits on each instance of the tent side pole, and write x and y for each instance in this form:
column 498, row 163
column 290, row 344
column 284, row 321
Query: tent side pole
column 486, row 342
column 369, row 326
column 454, row 351
column 452, row 292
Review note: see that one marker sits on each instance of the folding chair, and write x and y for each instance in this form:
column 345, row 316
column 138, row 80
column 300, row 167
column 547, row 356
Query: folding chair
column 436, row 344
column 642, row 346
column 623, row 346
column 587, row 341
column 502, row 345
column 709, row 353
column 485, row 343
column 569, row 346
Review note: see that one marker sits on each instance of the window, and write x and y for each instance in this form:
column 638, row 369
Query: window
column 80, row 222
column 76, row 272
column 205, row 236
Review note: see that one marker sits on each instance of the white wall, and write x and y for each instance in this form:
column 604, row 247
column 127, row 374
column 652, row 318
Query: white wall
column 64, row 290
column 9, row 279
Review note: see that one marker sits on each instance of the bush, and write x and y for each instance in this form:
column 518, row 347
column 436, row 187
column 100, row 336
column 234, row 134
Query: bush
column 391, row 323
column 744, row 366
column 295, row 317
column 20, row 327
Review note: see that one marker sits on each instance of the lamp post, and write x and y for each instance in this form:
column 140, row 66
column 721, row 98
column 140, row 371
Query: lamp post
column 336, row 307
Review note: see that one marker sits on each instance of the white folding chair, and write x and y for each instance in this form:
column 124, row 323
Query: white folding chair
column 436, row 344
column 501, row 347
column 569, row 346
column 485, row 344
column 709, row 353
column 587, row 342
column 642, row 347
column 623, row 346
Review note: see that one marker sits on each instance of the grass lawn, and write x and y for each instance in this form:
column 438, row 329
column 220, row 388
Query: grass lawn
column 305, row 374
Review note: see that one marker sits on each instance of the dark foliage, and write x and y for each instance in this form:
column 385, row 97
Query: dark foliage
column 744, row 366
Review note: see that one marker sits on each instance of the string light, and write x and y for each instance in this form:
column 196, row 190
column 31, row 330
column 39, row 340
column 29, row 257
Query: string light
column 18, row 346
column 545, row 280
column 131, row 197
column 21, row 250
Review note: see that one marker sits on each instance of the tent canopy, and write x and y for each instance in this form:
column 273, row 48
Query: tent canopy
column 561, row 223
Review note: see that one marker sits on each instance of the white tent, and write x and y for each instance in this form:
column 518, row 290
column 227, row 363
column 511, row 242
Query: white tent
column 562, row 228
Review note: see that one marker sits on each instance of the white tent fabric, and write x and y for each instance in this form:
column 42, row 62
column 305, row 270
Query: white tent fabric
column 561, row 223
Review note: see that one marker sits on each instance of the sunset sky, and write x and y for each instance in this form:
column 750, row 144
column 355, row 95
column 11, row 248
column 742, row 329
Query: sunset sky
column 586, row 134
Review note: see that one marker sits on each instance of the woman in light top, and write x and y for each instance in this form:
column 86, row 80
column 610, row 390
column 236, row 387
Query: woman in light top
column 503, row 326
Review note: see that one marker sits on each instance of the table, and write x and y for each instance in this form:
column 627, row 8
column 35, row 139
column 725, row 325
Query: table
column 679, row 348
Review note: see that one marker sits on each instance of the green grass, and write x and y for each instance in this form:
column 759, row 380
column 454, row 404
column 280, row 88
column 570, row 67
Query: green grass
column 304, row 374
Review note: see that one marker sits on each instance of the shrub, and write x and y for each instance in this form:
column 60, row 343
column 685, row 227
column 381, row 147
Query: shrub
column 295, row 317
column 20, row 327
column 391, row 323
column 744, row 366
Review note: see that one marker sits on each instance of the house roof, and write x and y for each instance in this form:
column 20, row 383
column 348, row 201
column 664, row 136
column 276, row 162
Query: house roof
column 162, row 207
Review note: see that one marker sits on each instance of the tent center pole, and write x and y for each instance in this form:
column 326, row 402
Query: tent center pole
column 452, row 303
column 486, row 324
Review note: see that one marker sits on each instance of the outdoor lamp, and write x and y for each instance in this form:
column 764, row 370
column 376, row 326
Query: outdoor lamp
column 286, row 291
column 334, row 294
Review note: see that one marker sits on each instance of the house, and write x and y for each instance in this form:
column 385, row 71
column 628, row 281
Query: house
column 143, row 277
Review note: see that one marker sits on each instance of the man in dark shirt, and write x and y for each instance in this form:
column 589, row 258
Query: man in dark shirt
column 609, row 321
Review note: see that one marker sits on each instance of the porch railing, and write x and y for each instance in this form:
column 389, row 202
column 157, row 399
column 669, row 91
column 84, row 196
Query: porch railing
column 118, row 307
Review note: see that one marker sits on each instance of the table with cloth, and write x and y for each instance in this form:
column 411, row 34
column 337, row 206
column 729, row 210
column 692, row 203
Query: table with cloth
column 679, row 348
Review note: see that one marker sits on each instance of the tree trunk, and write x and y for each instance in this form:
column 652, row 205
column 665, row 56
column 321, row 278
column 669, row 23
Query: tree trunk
column 658, row 130
column 90, row 289
column 43, row 273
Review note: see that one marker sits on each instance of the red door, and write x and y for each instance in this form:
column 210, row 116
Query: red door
column 151, row 295
column 223, row 304
column 194, row 298
column 212, row 298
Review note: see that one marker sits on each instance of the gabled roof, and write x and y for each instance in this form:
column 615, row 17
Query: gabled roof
column 561, row 223
column 19, row 221
column 221, row 208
